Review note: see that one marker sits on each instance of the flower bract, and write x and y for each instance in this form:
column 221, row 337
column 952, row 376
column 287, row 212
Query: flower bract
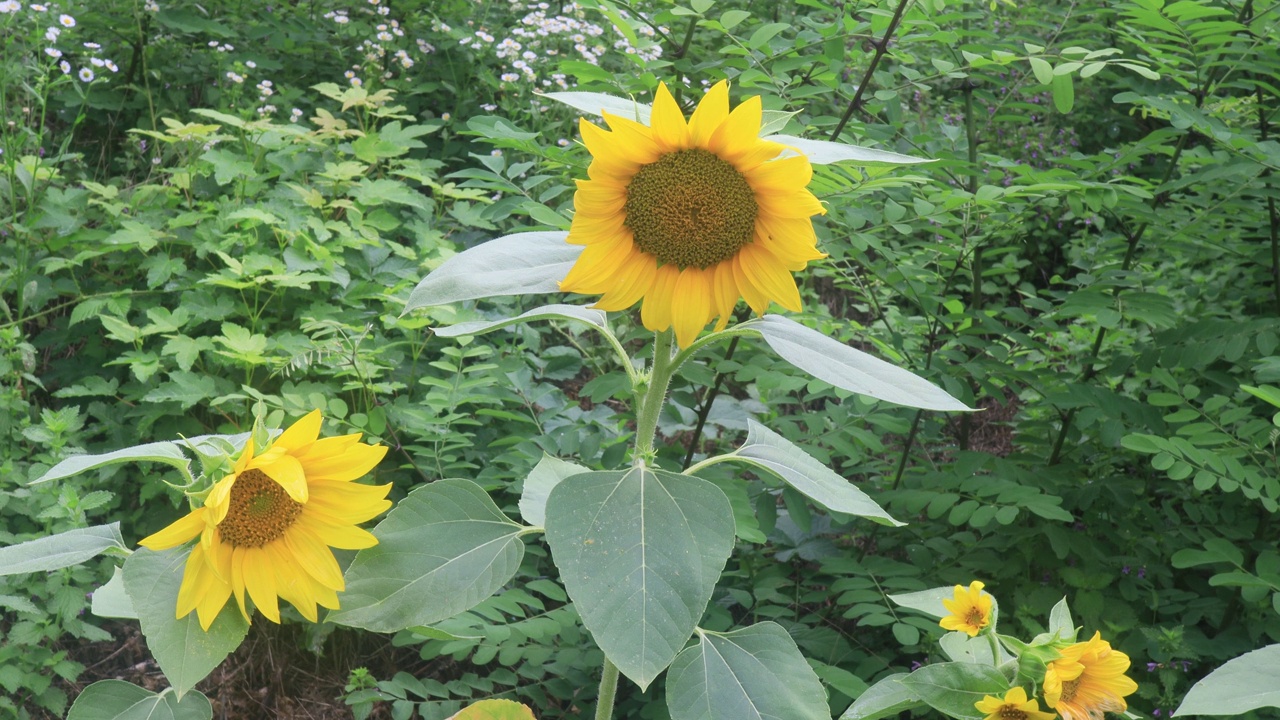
column 1088, row 680
column 267, row 528
column 691, row 216
column 970, row 609
column 1014, row 706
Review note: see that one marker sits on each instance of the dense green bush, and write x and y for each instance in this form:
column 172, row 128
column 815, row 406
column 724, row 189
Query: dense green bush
column 1092, row 260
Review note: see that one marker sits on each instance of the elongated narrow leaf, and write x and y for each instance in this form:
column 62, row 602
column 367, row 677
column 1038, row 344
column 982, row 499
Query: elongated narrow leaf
column 853, row 370
column 185, row 652
column 119, row 700
column 823, row 152
column 756, row 673
column 537, row 487
column 1240, row 685
column 771, row 451
column 111, row 600
column 598, row 104
column 639, row 552
column 161, row 452
column 886, row 698
column 62, row 550
column 521, row 264
column 546, row 312
column 441, row 551
column 952, row 688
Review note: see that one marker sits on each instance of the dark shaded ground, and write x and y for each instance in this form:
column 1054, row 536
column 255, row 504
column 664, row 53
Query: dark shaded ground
column 271, row 675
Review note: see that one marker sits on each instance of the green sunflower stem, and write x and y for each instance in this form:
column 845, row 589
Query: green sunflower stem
column 655, row 395
column 608, row 689
column 995, row 647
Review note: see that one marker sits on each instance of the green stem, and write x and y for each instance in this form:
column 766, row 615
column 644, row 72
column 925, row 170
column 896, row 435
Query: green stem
column 655, row 394
column 608, row 689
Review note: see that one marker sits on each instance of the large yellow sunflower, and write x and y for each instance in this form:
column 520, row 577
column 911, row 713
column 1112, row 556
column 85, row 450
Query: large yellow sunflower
column 1088, row 680
column 692, row 216
column 266, row 528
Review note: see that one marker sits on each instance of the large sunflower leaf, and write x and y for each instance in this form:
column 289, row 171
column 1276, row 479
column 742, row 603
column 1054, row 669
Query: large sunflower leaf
column 541, row 480
column 756, row 673
column 521, row 264
column 162, row 452
column 119, row 700
column 111, row 601
column 598, row 104
column 576, row 313
column 853, row 370
column 952, row 688
column 441, row 551
column 640, row 552
column 769, row 450
column 185, row 652
column 823, row 152
column 1240, row 685
column 62, row 550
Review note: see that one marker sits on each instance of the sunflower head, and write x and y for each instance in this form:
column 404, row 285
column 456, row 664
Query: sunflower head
column 1013, row 706
column 970, row 609
column 267, row 527
column 691, row 216
column 1088, row 680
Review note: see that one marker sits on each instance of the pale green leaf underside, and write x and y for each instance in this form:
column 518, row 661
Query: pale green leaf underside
column 756, row 673
column 62, row 550
column 886, row 698
column 520, row 264
column 576, row 313
column 953, row 688
column 185, row 652
column 844, row 367
column 538, row 485
column 598, row 104
column 119, row 700
column 1240, row 685
column 823, row 152
column 639, row 552
column 111, row 600
column 161, row 452
column 771, row 451
column 442, row 550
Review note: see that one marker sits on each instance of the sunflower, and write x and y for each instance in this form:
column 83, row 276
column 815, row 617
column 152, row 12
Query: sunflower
column 1088, row 680
column 266, row 528
column 970, row 609
column 690, row 217
column 1014, row 706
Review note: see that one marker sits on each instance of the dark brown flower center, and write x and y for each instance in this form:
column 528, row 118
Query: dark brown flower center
column 690, row 209
column 1011, row 712
column 1069, row 690
column 260, row 511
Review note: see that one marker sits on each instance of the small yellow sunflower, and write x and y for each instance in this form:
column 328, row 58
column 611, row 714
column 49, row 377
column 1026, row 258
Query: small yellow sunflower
column 1088, row 680
column 1014, row 706
column 970, row 609
column 267, row 527
column 690, row 217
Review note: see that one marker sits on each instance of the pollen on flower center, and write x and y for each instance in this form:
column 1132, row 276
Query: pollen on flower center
column 260, row 511
column 975, row 618
column 1010, row 712
column 1069, row 690
column 690, row 209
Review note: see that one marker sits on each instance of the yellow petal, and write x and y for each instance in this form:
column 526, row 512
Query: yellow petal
column 691, row 304
column 237, row 579
column 755, row 296
column 179, row 531
column 348, row 502
column 630, row 140
column 596, row 266
column 739, row 133
column 288, row 472
column 212, row 603
column 783, row 175
column 314, row 557
column 800, row 204
column 218, row 500
column 300, row 434
column 292, row 583
column 710, row 113
column 655, row 313
column 197, row 577
column 355, row 463
column 341, row 536
column 259, row 569
column 635, row 280
column 724, row 293
column 667, row 122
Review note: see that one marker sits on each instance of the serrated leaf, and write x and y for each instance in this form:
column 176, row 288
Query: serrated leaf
column 844, row 367
column 575, row 313
column 756, row 673
column 519, row 264
column 185, row 652
column 769, row 450
column 441, row 551
column 640, row 552
column 62, row 550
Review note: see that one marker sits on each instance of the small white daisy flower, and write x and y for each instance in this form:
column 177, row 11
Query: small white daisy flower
column 67, row 21
column 97, row 62
column 111, row 66
column 53, row 52
column 65, row 67
column 86, row 75
column 93, row 46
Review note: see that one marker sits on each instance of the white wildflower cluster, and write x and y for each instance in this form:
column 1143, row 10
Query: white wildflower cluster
column 221, row 47
column 338, row 16
column 379, row 51
column 52, row 35
column 235, row 77
column 151, row 6
column 10, row 6
column 542, row 37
